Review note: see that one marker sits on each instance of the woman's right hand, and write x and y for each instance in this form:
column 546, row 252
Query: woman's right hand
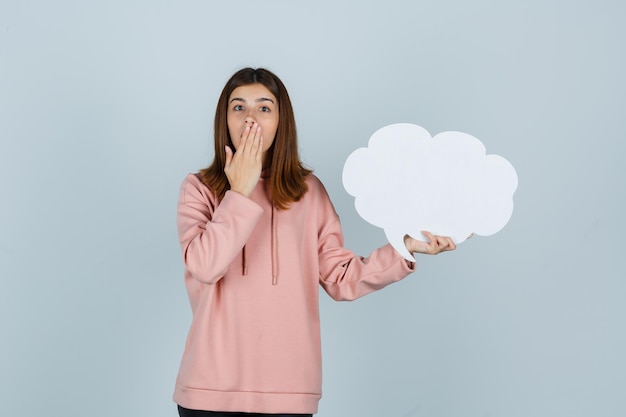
column 243, row 168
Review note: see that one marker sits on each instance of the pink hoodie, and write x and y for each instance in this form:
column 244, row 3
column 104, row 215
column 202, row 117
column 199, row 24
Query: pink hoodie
column 252, row 274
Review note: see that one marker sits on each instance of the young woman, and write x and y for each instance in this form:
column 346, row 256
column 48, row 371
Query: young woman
column 258, row 235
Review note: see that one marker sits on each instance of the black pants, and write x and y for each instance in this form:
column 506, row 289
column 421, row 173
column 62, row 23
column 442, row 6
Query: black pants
column 185, row 412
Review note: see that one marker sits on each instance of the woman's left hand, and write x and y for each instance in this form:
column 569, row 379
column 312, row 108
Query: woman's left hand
column 435, row 244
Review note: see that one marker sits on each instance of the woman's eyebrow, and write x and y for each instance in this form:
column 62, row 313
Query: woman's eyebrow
column 258, row 100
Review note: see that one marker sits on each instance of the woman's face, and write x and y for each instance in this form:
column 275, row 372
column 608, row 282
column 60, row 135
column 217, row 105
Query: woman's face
column 252, row 104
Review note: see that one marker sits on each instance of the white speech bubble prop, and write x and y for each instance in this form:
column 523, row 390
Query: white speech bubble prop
column 406, row 181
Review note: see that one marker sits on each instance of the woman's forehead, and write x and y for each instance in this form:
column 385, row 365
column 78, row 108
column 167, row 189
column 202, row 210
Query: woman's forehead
column 252, row 91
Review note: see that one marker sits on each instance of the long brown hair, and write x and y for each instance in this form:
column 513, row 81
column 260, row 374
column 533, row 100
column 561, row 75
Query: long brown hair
column 286, row 183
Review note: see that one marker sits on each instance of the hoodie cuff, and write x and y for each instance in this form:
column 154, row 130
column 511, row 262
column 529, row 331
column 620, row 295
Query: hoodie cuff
column 236, row 198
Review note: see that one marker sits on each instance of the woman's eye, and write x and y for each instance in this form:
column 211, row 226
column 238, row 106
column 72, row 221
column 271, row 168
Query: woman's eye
column 238, row 107
column 265, row 109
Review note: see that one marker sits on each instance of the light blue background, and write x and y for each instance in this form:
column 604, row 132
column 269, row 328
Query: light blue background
column 105, row 106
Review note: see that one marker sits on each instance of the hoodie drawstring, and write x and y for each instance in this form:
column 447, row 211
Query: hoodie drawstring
column 274, row 245
column 244, row 262
column 274, row 250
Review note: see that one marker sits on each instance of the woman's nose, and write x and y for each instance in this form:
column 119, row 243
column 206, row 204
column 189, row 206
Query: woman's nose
column 249, row 120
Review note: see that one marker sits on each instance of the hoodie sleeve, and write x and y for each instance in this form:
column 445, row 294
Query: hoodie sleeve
column 346, row 276
column 211, row 234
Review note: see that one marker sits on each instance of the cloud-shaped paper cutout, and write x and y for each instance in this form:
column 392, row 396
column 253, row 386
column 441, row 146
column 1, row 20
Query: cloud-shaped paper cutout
column 406, row 181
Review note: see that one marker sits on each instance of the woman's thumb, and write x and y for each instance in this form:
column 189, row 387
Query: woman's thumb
column 229, row 156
